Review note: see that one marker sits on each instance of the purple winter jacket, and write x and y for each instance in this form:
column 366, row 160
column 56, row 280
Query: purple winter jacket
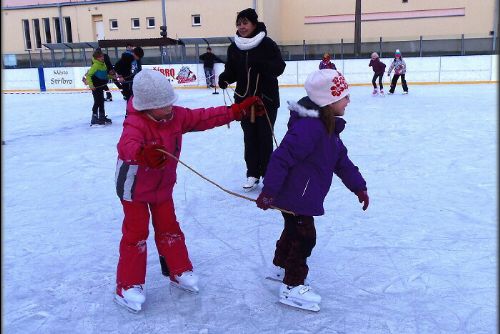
column 300, row 172
column 377, row 65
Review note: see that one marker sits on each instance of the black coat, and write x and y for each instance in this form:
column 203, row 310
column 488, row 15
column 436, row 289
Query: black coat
column 209, row 59
column 124, row 66
column 264, row 59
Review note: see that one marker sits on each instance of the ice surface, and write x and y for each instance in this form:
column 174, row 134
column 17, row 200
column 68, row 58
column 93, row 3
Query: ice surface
column 421, row 259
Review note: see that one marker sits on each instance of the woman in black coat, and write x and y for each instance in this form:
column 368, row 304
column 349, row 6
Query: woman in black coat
column 254, row 62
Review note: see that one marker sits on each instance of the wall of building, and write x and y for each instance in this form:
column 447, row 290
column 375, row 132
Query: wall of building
column 429, row 70
column 288, row 21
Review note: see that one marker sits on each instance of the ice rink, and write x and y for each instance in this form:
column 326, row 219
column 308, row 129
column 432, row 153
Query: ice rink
column 421, row 259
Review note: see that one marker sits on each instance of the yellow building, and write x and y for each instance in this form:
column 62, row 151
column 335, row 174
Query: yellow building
column 28, row 24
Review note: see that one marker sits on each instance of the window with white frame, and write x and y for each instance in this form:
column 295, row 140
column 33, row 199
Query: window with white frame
column 113, row 24
column 150, row 22
column 27, row 35
column 136, row 23
column 196, row 20
column 57, row 29
column 38, row 35
column 46, row 30
column 69, row 31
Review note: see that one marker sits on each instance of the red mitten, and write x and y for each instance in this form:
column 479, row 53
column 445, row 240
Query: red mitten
column 151, row 156
column 242, row 110
column 264, row 201
column 363, row 198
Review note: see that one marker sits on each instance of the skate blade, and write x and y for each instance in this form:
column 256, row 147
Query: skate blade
column 187, row 289
column 300, row 304
column 275, row 278
column 131, row 307
column 248, row 189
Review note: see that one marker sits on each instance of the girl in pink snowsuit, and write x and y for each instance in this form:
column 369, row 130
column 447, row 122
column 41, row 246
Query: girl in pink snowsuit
column 145, row 178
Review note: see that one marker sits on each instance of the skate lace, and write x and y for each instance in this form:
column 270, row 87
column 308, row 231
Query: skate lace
column 304, row 289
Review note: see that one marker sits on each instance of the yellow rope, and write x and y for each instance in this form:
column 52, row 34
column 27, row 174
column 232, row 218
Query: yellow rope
column 218, row 186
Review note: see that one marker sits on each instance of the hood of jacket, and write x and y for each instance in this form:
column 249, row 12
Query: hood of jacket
column 307, row 108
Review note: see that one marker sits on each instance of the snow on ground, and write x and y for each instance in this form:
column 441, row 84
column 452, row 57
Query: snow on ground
column 421, row 259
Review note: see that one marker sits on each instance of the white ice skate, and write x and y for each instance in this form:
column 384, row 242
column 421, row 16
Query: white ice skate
column 300, row 296
column 375, row 92
column 405, row 93
column 131, row 298
column 251, row 184
column 276, row 274
column 382, row 93
column 186, row 281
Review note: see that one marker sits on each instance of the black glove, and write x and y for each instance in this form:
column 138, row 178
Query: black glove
column 222, row 81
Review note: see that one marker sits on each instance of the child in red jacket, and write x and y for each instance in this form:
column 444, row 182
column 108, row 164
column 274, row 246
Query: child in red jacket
column 145, row 178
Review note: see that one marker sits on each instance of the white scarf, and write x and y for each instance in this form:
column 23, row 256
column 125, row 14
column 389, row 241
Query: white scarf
column 249, row 43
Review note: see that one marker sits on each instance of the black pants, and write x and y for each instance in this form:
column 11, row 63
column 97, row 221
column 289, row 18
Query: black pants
column 374, row 79
column 98, row 107
column 294, row 247
column 258, row 139
column 395, row 81
column 127, row 90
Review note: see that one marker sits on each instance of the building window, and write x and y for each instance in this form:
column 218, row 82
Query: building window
column 27, row 35
column 57, row 29
column 38, row 36
column 69, row 32
column 113, row 24
column 196, row 20
column 136, row 23
column 150, row 22
column 404, row 1
column 46, row 30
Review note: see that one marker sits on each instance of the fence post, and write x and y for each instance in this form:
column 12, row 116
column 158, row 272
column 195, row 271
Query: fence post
column 420, row 47
column 41, row 79
column 342, row 48
column 29, row 57
column 84, row 56
column 116, row 52
column 53, row 58
column 41, row 57
column 380, row 47
column 462, row 46
column 304, row 48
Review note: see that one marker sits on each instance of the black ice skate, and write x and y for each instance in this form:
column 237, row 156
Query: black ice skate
column 96, row 121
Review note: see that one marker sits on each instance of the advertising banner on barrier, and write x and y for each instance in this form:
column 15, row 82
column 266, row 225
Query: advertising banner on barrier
column 59, row 78
column 179, row 75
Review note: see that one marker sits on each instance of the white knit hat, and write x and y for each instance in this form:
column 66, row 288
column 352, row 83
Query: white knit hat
column 326, row 86
column 152, row 90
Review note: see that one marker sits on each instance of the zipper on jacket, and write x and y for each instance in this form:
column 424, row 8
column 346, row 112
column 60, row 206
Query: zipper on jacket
column 307, row 184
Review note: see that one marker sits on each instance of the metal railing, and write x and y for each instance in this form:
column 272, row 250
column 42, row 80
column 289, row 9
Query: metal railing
column 341, row 49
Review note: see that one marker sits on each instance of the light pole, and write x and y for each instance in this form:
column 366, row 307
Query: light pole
column 357, row 29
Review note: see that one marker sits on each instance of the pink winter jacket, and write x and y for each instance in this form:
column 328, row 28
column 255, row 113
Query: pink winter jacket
column 143, row 184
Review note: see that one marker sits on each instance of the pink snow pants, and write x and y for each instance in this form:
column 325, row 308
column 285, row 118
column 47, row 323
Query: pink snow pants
column 169, row 241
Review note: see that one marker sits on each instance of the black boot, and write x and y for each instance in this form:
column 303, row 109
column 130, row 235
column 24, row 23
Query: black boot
column 109, row 97
column 95, row 120
column 164, row 267
column 104, row 119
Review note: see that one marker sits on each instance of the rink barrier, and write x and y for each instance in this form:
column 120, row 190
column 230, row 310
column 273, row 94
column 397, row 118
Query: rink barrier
column 79, row 91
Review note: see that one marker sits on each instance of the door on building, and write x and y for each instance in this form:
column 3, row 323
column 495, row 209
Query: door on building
column 98, row 27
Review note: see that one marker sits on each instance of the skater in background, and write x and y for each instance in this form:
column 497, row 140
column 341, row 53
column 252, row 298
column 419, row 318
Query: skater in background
column 97, row 78
column 254, row 61
column 399, row 66
column 127, row 67
column 208, row 59
column 326, row 63
column 299, row 177
column 378, row 72
column 145, row 177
